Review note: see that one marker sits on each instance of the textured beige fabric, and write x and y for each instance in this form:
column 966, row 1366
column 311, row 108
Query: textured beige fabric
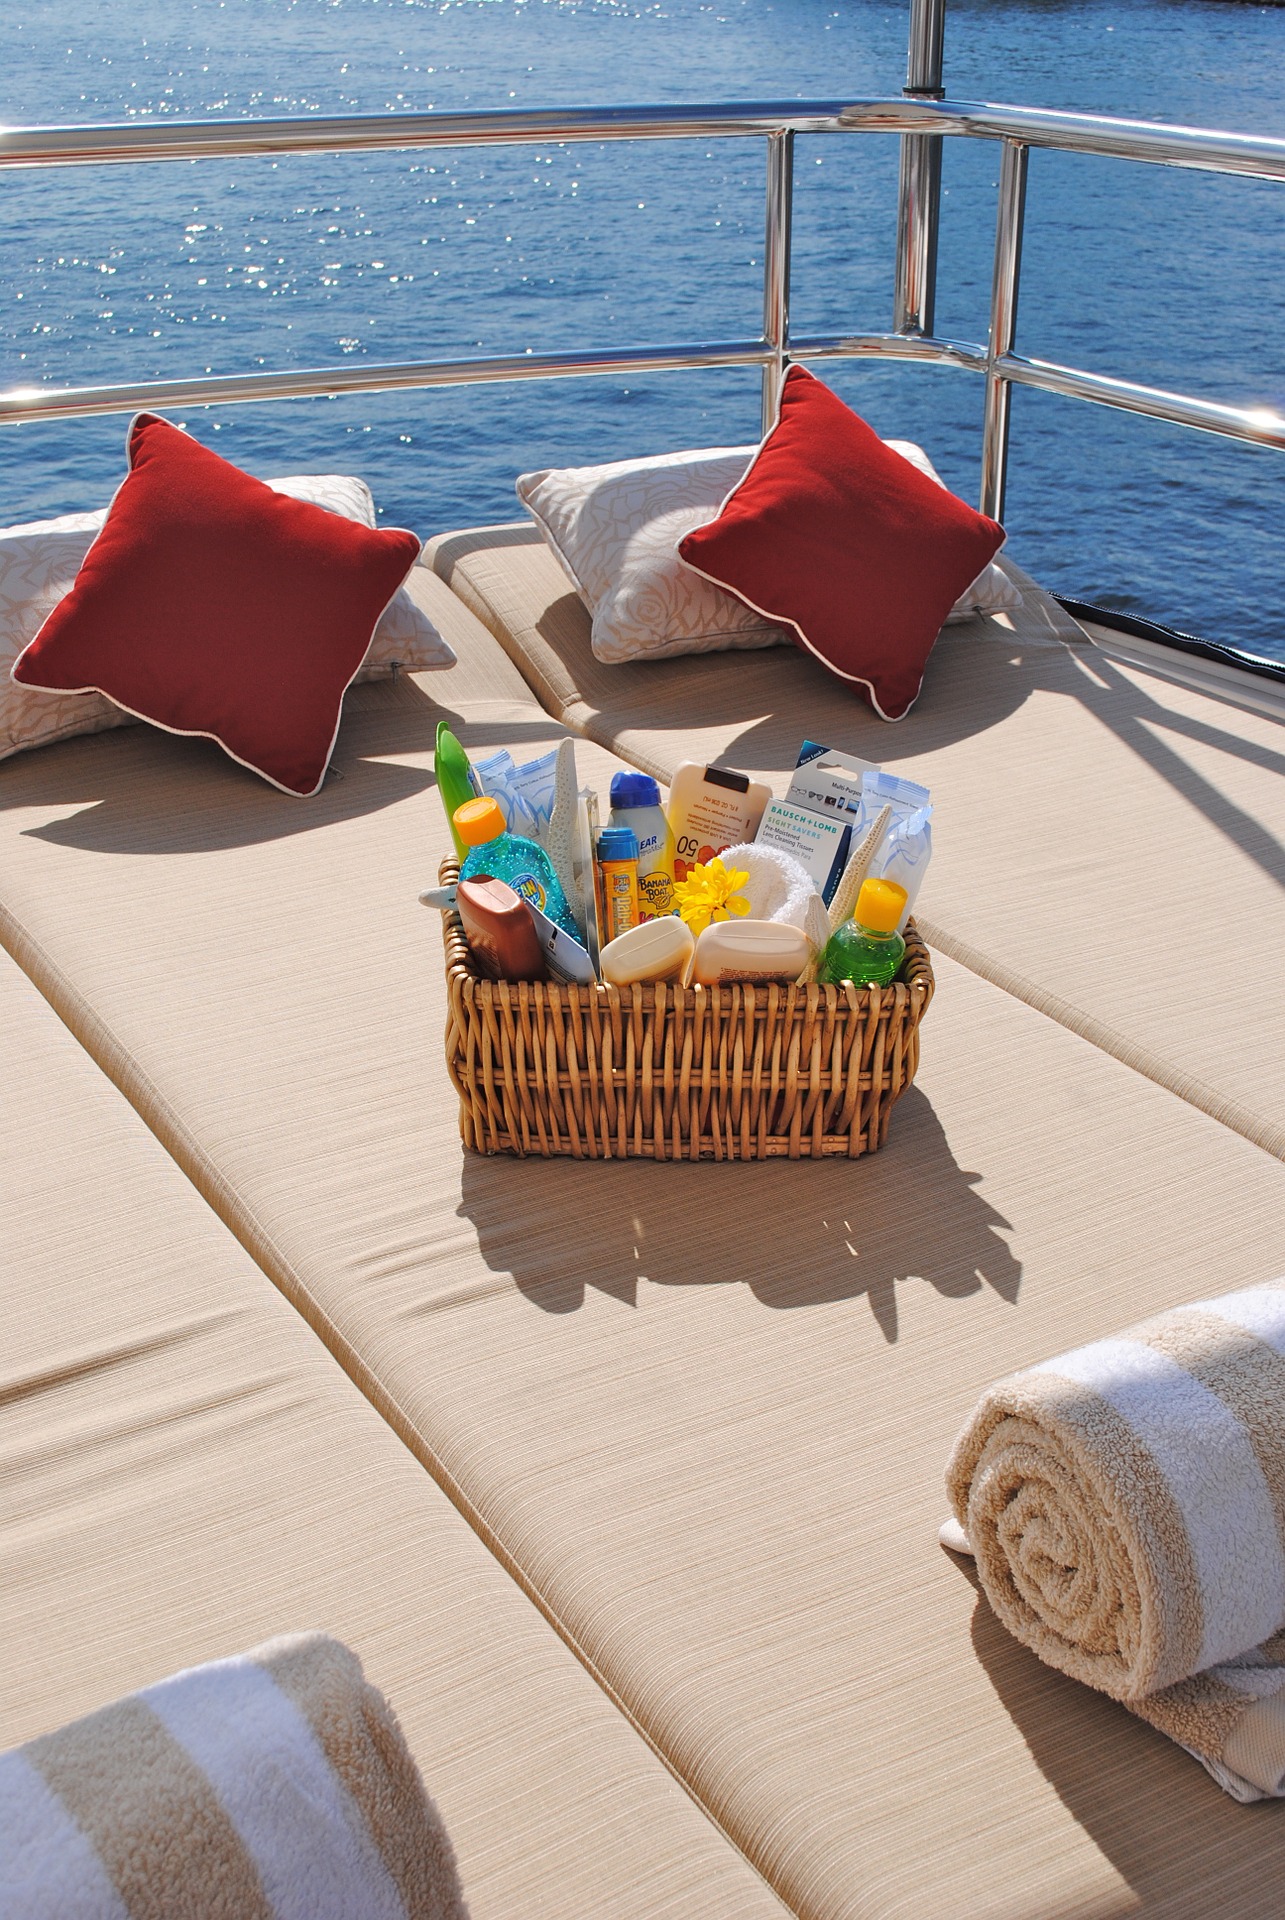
column 185, row 1471
column 481, row 671
column 1126, row 1504
column 1101, row 800
column 1256, row 1745
column 701, row 1413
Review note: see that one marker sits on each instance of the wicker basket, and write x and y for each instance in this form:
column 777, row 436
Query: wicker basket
column 661, row 1072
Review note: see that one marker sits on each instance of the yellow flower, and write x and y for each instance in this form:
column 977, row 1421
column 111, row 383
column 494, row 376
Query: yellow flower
column 710, row 892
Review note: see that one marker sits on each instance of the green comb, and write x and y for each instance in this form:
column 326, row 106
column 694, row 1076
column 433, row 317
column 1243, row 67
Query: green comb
column 454, row 779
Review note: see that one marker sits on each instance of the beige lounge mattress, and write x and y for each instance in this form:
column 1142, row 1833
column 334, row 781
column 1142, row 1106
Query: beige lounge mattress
column 184, row 1471
column 700, row 1412
column 1108, row 844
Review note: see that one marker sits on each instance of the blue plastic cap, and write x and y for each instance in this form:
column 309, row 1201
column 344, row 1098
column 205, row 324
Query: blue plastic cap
column 634, row 790
column 617, row 843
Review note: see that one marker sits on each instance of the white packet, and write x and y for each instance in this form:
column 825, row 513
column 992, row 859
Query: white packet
column 525, row 794
column 903, row 856
column 493, row 775
column 532, row 789
column 880, row 790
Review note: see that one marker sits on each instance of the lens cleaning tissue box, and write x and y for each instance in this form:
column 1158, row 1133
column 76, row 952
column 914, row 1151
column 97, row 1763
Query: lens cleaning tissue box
column 814, row 821
column 817, row 843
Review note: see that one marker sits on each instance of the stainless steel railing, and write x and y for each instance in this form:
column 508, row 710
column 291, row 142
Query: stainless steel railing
column 919, row 181
column 922, row 119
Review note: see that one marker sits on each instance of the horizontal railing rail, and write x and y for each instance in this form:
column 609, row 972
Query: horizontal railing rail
column 140, row 140
column 60, row 403
column 1149, row 140
column 1018, row 129
column 137, row 140
column 1264, row 426
column 364, row 376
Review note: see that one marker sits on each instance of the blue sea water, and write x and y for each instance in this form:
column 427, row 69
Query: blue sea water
column 1166, row 277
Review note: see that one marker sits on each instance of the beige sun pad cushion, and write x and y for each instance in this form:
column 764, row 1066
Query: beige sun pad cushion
column 481, row 672
column 185, row 1471
column 1108, row 845
column 701, row 1412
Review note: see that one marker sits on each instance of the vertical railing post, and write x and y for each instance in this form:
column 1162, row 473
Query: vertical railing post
column 776, row 266
column 1005, row 281
column 919, row 183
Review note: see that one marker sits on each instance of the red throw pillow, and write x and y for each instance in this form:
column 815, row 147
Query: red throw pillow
column 833, row 533
column 211, row 605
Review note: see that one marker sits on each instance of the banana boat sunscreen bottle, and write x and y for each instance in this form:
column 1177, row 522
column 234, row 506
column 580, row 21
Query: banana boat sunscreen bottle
column 635, row 803
column 617, row 881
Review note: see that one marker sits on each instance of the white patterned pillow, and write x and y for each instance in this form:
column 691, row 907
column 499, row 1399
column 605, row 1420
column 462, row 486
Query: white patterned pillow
column 39, row 562
column 615, row 530
column 38, row 565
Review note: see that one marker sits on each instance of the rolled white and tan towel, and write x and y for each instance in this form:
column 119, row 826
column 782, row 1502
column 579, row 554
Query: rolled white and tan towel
column 1126, row 1506
column 273, row 1786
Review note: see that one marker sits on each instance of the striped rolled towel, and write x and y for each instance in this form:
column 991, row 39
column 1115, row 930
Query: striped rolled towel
column 273, row 1786
column 1126, row 1506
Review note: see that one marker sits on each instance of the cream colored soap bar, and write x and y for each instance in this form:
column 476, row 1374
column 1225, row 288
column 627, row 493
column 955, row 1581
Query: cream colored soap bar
column 749, row 950
column 655, row 950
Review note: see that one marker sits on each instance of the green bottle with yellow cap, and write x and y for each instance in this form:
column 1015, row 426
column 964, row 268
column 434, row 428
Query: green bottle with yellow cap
column 867, row 949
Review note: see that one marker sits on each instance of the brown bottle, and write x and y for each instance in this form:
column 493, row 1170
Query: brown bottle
column 499, row 929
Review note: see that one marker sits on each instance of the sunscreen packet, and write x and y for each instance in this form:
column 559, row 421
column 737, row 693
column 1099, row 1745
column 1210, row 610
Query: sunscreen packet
column 904, row 854
column 564, row 957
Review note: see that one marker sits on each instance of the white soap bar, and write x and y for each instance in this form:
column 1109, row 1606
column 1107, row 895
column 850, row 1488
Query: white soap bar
column 750, row 950
column 653, row 950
